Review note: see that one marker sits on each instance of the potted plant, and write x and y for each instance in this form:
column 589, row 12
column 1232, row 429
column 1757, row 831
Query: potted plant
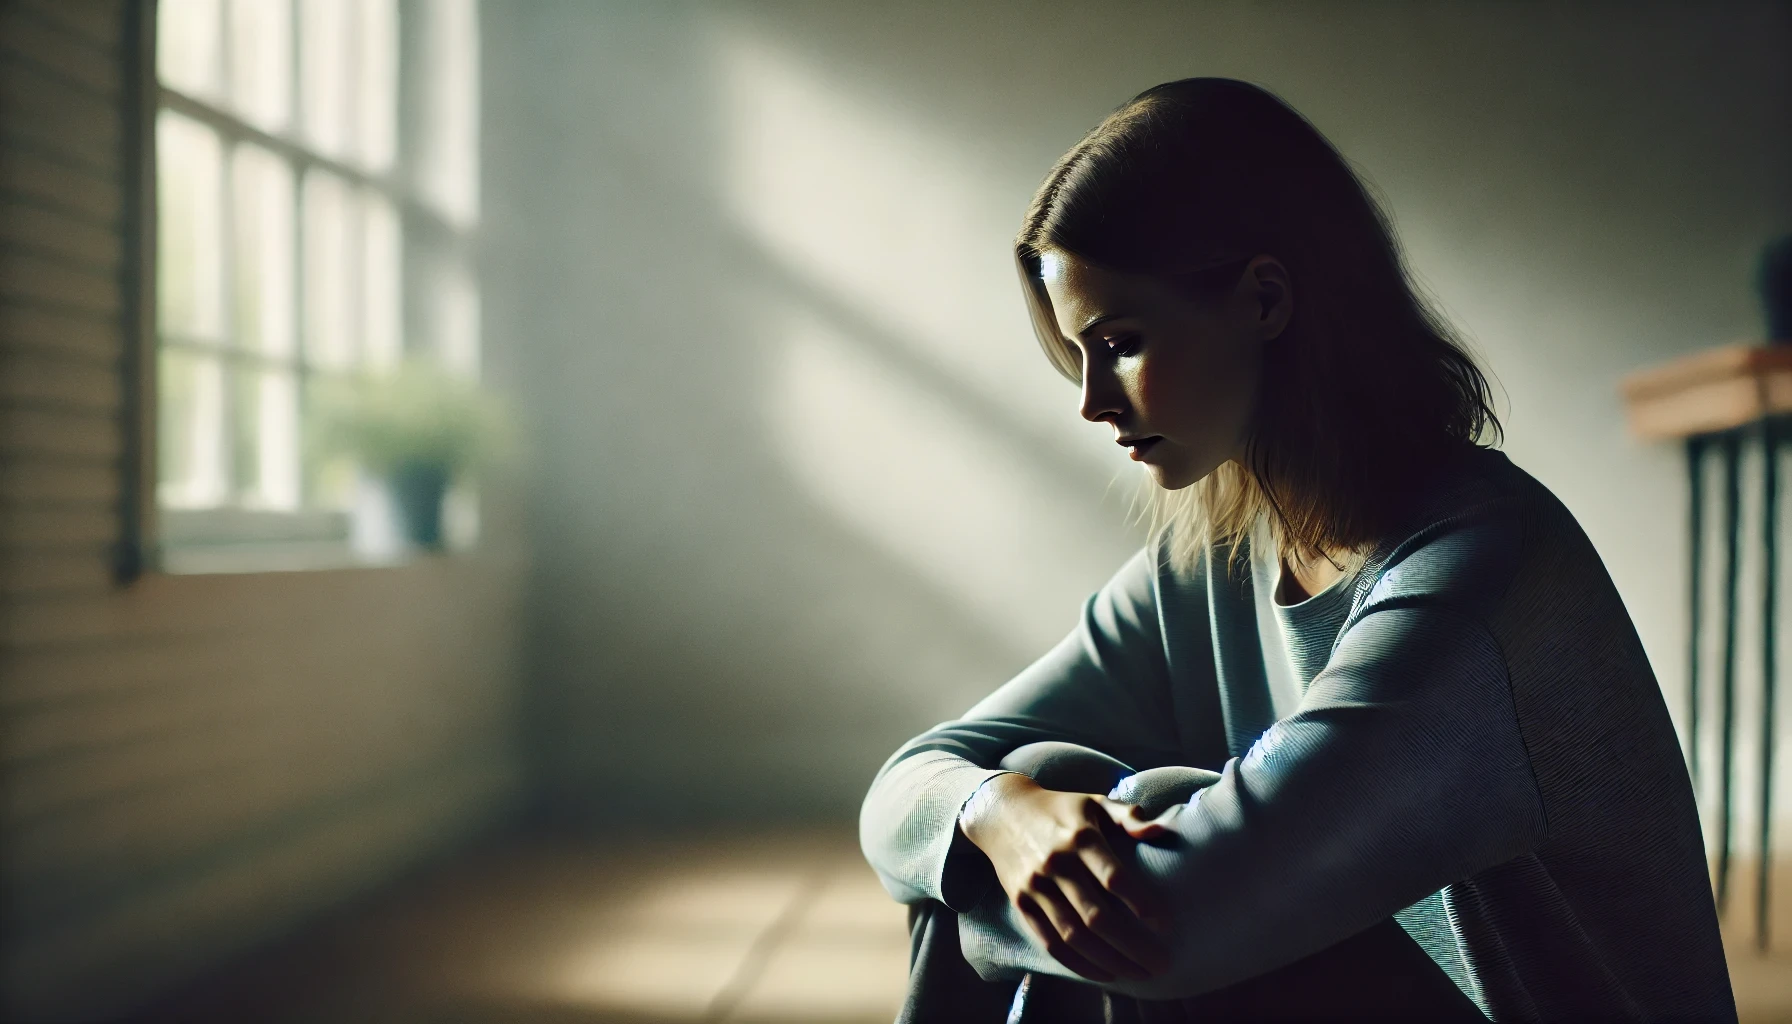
column 419, row 427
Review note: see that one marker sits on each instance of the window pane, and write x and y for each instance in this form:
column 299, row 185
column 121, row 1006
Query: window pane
column 188, row 57
column 276, row 483
column 261, row 61
column 264, row 251
column 377, row 83
column 189, row 230
column 382, row 292
column 448, row 168
column 244, row 413
column 331, row 256
column 190, row 429
column 326, row 67
column 330, row 482
column 264, row 437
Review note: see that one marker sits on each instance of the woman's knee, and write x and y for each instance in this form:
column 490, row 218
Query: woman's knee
column 1071, row 767
column 1068, row 767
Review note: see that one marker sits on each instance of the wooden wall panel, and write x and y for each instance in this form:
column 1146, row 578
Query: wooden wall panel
column 189, row 764
column 44, row 113
column 98, row 22
column 45, row 38
column 30, row 279
column 59, row 233
column 33, row 330
column 74, row 190
column 31, row 479
column 57, row 433
column 28, row 572
column 82, row 525
column 52, row 379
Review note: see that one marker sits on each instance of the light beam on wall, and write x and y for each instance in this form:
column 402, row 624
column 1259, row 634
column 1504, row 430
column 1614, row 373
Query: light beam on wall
column 904, row 225
column 970, row 511
column 912, row 402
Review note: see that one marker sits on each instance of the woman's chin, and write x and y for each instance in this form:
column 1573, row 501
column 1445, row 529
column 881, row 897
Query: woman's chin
column 1173, row 474
column 1171, row 478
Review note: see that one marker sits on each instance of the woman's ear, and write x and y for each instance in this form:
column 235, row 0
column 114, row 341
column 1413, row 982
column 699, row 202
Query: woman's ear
column 1273, row 295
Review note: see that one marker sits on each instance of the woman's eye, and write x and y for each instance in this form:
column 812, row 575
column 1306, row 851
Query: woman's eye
column 1124, row 345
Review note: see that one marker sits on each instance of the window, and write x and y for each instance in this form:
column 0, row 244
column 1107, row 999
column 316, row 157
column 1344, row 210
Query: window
column 316, row 192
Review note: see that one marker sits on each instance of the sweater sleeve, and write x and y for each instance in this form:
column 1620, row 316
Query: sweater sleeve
column 1105, row 686
column 1402, row 771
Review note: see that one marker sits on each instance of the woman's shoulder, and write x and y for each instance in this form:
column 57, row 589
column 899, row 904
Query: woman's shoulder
column 1471, row 528
column 1465, row 538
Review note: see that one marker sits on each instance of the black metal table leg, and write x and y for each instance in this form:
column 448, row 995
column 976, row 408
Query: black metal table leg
column 1732, row 449
column 1695, row 549
column 1769, row 653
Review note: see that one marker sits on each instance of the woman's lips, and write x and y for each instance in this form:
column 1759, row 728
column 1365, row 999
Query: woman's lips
column 1136, row 451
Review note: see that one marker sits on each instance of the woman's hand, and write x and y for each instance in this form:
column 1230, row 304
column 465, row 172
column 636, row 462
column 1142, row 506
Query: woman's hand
column 1054, row 857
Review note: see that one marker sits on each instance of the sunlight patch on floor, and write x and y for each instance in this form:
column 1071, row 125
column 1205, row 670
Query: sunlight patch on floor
column 845, row 958
column 676, row 947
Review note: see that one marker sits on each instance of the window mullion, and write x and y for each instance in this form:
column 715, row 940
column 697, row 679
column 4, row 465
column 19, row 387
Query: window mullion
column 202, row 346
column 227, row 270
column 300, row 343
column 395, row 184
column 350, row 113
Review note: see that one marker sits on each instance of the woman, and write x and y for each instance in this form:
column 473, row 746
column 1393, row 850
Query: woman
column 1430, row 713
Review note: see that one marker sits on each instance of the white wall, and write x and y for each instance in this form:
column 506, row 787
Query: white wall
column 813, row 488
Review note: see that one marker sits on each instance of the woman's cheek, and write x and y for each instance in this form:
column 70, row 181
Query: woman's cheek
column 1153, row 398
column 1173, row 399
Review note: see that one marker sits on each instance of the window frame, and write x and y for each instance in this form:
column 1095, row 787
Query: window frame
column 258, row 539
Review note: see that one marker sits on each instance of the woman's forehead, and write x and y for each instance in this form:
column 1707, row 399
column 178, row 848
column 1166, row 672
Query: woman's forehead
column 1083, row 292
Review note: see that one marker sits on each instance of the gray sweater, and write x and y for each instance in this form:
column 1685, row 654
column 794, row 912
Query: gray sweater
column 1466, row 734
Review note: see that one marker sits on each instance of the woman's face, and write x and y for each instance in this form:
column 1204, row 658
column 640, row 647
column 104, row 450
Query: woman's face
column 1176, row 379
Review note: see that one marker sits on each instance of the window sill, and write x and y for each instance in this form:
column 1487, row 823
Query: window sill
column 272, row 557
column 237, row 540
column 227, row 527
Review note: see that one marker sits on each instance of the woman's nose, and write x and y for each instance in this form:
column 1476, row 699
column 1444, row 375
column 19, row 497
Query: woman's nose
column 1102, row 398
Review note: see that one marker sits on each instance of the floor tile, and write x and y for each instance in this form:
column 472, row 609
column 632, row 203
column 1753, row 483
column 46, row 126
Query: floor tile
column 845, row 958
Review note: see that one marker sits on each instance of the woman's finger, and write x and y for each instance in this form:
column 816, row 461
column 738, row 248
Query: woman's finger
column 1070, row 927
column 1119, row 877
column 1111, row 920
column 1121, row 881
column 1054, row 943
column 1141, row 828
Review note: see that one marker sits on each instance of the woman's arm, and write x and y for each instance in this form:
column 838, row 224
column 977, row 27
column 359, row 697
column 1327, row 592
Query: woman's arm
column 1106, row 686
column 1402, row 771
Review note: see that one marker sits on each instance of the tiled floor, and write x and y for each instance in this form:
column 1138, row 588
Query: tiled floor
column 790, row 928
column 1762, row 982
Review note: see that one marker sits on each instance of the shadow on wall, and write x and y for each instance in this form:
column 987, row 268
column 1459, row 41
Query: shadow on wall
column 808, row 498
